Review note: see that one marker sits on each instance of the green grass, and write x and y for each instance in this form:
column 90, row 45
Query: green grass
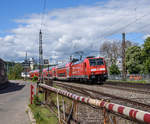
column 41, row 96
column 42, row 114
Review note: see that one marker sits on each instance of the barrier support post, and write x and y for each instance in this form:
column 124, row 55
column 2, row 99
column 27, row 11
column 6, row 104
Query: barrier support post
column 45, row 95
column 64, row 110
column 31, row 93
column 106, row 118
column 58, row 109
column 114, row 120
column 75, row 110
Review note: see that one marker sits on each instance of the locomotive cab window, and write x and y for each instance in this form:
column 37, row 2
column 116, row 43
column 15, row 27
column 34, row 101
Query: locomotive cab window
column 94, row 62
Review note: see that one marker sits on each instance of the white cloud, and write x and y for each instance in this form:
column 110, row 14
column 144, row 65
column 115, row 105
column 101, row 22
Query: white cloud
column 146, row 36
column 71, row 29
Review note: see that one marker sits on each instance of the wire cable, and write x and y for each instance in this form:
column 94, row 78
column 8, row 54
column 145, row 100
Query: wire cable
column 43, row 14
column 124, row 27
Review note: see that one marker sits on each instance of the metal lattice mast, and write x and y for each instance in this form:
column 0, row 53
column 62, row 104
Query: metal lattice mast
column 40, row 57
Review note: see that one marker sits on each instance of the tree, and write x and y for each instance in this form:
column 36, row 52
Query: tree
column 9, row 65
column 134, row 60
column 113, row 69
column 111, row 51
column 146, row 55
column 15, row 72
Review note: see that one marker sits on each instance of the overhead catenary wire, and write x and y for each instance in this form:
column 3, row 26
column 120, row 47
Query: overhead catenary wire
column 139, row 36
column 43, row 14
column 125, row 26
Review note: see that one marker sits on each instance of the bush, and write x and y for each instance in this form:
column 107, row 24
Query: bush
column 36, row 100
column 37, row 116
column 35, row 78
column 15, row 72
column 113, row 69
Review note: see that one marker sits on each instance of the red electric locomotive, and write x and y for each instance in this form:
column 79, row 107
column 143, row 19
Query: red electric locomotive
column 90, row 69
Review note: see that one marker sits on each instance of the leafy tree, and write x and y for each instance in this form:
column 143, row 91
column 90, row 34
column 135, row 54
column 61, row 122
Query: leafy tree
column 9, row 65
column 15, row 72
column 113, row 69
column 133, row 60
column 146, row 55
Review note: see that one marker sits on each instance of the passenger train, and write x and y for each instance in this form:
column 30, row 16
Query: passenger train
column 91, row 69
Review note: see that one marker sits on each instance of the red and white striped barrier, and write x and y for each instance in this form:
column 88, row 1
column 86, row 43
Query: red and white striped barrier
column 31, row 93
column 124, row 110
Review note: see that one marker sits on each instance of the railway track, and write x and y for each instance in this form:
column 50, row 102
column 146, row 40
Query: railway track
column 127, row 84
column 101, row 95
column 126, row 89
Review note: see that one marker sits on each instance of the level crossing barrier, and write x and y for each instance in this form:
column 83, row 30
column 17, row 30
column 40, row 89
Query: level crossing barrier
column 31, row 93
column 132, row 113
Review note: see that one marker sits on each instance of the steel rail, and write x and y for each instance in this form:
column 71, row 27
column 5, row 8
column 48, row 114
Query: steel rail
column 128, row 84
column 125, row 89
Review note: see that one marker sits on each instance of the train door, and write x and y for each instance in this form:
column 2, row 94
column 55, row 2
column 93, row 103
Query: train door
column 67, row 72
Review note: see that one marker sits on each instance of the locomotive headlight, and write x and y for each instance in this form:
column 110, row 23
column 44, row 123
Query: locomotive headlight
column 102, row 69
column 94, row 69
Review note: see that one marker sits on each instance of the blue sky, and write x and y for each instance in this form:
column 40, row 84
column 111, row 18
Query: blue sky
column 69, row 25
column 15, row 9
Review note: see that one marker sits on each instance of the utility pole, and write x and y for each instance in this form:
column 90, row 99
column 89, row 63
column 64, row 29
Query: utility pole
column 26, row 63
column 123, row 57
column 40, row 57
column 26, row 58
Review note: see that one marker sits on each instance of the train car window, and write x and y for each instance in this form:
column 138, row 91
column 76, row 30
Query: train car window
column 94, row 62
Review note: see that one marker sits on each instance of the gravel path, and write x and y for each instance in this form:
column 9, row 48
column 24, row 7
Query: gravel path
column 13, row 102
